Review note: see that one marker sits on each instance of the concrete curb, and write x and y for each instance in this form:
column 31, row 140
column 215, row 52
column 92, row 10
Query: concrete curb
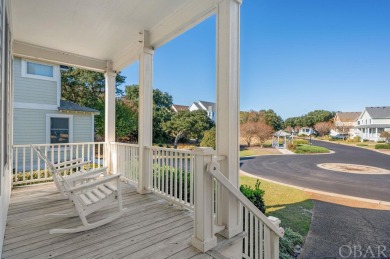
column 386, row 203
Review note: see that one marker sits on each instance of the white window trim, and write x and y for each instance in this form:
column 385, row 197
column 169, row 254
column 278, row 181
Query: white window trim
column 49, row 116
column 56, row 70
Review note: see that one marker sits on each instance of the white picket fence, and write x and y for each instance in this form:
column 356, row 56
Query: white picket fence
column 29, row 168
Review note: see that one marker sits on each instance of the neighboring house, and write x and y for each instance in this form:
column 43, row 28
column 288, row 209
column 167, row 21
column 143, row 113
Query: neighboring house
column 177, row 108
column 209, row 107
column 306, row 131
column 372, row 122
column 40, row 116
column 344, row 122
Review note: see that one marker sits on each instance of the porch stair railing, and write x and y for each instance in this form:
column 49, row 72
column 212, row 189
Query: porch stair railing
column 262, row 239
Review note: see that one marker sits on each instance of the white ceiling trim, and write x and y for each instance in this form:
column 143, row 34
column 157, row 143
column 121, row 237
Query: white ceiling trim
column 26, row 50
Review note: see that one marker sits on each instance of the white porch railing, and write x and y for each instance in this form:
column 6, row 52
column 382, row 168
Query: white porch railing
column 29, row 168
column 172, row 175
column 125, row 160
column 190, row 179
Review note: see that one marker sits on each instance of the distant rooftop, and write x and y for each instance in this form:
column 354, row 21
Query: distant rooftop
column 348, row 116
column 69, row 106
column 379, row 112
column 177, row 107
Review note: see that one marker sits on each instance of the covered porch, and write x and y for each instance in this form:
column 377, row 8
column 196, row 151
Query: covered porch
column 202, row 184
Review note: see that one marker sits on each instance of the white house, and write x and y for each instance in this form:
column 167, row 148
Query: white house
column 40, row 116
column 307, row 131
column 209, row 107
column 344, row 123
column 372, row 122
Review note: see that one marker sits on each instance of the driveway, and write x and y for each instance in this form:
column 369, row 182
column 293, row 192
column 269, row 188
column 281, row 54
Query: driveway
column 302, row 171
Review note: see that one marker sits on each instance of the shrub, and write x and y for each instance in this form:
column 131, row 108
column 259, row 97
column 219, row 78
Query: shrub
column 267, row 145
column 288, row 243
column 355, row 139
column 382, row 146
column 163, row 176
column 365, row 140
column 303, row 149
column 254, row 195
column 381, row 141
column 300, row 141
column 291, row 146
column 209, row 138
column 361, row 145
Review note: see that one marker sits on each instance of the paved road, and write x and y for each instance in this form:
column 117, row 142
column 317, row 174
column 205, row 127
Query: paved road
column 302, row 170
column 338, row 231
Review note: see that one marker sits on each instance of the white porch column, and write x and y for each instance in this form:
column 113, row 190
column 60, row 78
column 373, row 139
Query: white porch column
column 228, row 109
column 109, row 113
column 145, row 116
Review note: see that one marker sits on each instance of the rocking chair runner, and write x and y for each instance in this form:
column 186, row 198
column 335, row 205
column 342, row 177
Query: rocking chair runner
column 86, row 197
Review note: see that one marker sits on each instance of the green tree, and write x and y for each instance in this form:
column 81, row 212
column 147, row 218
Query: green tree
column 209, row 138
column 162, row 102
column 201, row 123
column 87, row 88
column 186, row 123
column 272, row 119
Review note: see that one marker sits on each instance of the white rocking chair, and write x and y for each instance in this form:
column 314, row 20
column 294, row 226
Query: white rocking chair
column 78, row 177
column 86, row 197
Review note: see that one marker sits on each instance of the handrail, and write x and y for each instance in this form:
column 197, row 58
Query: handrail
column 214, row 169
column 125, row 144
column 59, row 144
column 185, row 151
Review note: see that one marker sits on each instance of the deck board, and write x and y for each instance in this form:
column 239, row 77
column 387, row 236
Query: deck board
column 150, row 228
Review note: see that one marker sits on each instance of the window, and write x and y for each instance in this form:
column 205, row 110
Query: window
column 59, row 128
column 39, row 70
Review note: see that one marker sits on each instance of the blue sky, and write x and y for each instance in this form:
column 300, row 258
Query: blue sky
column 296, row 56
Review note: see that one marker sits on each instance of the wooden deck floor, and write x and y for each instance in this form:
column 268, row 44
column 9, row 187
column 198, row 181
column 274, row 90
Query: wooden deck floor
column 150, row 228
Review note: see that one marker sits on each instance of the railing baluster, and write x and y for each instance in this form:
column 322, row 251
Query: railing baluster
column 46, row 176
column 180, row 177
column 16, row 164
column 98, row 156
column 24, row 164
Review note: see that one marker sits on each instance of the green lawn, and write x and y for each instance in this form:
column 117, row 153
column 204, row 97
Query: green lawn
column 292, row 206
column 305, row 149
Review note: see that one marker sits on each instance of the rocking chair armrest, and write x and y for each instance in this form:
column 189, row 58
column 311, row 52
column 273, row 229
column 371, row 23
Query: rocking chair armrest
column 72, row 166
column 95, row 183
column 85, row 175
column 78, row 160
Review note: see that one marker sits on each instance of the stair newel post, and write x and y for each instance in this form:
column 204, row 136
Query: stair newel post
column 203, row 238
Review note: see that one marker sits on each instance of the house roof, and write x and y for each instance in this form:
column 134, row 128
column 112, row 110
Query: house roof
column 281, row 133
column 207, row 105
column 379, row 112
column 197, row 105
column 178, row 107
column 69, row 106
column 348, row 116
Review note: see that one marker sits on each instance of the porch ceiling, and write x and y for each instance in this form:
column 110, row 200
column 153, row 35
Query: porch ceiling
column 104, row 29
